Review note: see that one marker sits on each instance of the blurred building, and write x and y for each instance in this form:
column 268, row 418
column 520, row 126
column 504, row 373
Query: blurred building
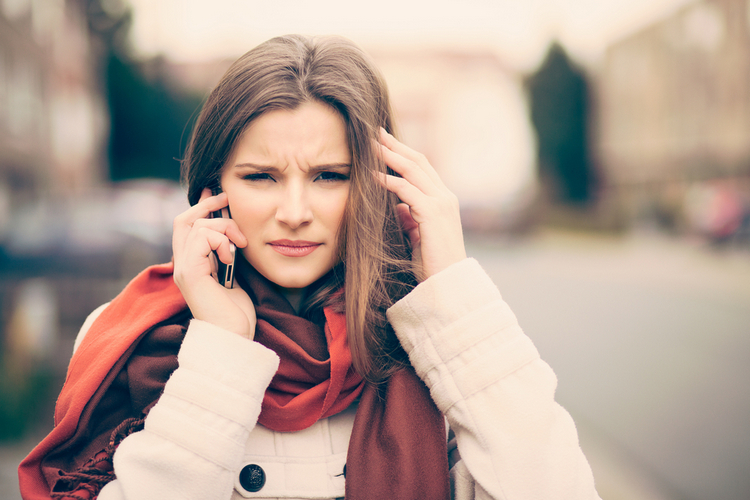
column 467, row 112
column 53, row 121
column 674, row 113
column 53, row 136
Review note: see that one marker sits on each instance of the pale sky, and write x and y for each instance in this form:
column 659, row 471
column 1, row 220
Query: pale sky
column 517, row 29
column 487, row 151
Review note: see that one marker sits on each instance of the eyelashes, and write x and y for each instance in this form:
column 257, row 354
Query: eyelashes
column 258, row 177
column 332, row 176
column 325, row 176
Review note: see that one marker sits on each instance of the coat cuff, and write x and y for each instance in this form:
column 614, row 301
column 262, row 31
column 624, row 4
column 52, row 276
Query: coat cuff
column 212, row 401
column 459, row 334
column 440, row 300
column 227, row 358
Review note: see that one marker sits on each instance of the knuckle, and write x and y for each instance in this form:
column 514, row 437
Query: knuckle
column 178, row 221
column 434, row 205
column 447, row 204
column 205, row 233
column 177, row 277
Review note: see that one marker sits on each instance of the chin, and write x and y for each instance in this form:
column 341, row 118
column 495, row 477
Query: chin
column 293, row 284
column 292, row 275
column 292, row 280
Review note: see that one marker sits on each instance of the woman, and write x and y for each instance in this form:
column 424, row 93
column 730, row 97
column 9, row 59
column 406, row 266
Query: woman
column 356, row 327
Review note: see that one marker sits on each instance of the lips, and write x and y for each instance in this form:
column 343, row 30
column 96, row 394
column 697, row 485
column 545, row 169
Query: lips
column 294, row 248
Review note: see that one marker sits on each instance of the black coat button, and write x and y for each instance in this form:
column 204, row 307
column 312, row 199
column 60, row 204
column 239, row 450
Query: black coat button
column 252, row 477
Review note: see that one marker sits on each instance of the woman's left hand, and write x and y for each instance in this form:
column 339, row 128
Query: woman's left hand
column 429, row 213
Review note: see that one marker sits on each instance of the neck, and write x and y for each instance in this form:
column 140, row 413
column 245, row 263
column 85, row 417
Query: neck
column 294, row 296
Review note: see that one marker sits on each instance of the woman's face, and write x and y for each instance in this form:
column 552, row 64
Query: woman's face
column 287, row 184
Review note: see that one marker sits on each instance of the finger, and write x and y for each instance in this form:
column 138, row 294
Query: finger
column 206, row 193
column 204, row 240
column 422, row 208
column 211, row 232
column 198, row 214
column 418, row 158
column 226, row 252
column 405, row 190
column 201, row 210
column 227, row 227
column 408, row 170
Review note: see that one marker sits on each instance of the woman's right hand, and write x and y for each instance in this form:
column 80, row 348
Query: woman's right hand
column 194, row 239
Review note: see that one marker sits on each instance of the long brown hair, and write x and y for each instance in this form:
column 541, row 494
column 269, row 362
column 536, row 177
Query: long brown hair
column 375, row 267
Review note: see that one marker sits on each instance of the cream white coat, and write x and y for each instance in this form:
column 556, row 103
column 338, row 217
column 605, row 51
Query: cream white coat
column 509, row 439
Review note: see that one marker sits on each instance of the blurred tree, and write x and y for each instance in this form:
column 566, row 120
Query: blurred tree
column 25, row 398
column 149, row 120
column 559, row 112
column 148, row 123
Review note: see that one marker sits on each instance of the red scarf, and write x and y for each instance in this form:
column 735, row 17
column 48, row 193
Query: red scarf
column 397, row 449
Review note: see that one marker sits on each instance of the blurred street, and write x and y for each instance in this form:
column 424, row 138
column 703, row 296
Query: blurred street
column 650, row 340
column 649, row 337
column 629, row 121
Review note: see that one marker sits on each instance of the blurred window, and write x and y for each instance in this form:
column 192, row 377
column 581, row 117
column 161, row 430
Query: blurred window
column 3, row 86
column 24, row 98
column 47, row 17
column 704, row 27
column 15, row 9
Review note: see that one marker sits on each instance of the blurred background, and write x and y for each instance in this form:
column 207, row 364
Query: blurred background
column 600, row 150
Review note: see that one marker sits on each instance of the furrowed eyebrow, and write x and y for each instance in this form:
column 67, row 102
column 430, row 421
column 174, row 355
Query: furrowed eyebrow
column 331, row 166
column 258, row 168
column 316, row 168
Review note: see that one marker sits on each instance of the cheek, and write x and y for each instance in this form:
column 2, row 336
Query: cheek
column 248, row 215
column 336, row 210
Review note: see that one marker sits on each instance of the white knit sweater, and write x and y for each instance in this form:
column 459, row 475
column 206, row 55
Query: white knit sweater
column 509, row 439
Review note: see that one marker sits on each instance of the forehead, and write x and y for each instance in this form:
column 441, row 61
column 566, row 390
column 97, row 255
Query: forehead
column 312, row 133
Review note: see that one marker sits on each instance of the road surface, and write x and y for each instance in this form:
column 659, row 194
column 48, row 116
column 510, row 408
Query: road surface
column 650, row 339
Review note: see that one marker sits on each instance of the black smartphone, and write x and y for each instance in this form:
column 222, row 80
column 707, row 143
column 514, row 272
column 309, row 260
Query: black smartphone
column 225, row 272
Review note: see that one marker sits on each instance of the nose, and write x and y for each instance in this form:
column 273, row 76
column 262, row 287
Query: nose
column 294, row 209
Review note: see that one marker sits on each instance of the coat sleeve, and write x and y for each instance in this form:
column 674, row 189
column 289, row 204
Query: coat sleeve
column 513, row 440
column 194, row 438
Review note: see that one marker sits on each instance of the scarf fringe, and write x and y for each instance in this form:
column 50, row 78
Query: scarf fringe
column 87, row 481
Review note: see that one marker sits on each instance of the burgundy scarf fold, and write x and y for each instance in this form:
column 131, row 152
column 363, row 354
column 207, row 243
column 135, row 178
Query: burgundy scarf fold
column 315, row 378
column 397, row 449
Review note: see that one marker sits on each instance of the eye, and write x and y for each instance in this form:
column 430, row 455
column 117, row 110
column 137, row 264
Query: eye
column 332, row 176
column 259, row 176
